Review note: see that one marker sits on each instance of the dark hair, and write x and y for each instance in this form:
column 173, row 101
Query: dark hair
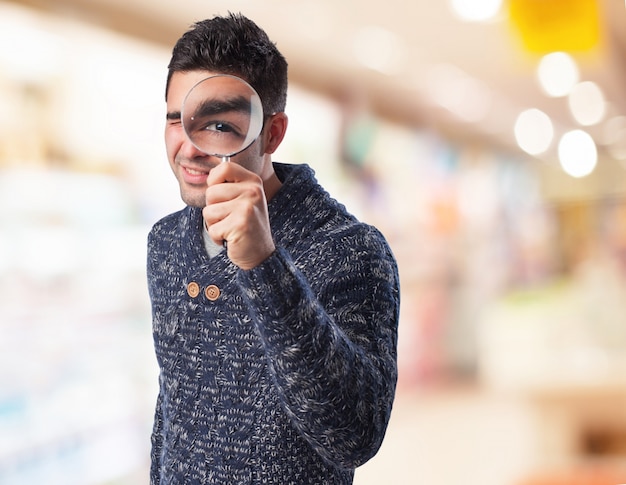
column 234, row 45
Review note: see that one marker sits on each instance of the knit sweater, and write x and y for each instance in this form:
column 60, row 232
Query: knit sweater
column 282, row 374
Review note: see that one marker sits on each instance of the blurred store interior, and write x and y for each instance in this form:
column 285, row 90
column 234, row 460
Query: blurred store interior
column 486, row 139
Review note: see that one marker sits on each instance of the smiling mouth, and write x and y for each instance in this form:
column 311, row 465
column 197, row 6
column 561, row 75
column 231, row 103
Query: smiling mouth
column 195, row 172
column 193, row 176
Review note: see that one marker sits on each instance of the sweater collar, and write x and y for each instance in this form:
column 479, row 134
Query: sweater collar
column 299, row 188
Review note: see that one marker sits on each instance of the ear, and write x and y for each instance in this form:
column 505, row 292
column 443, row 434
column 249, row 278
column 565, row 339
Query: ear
column 274, row 132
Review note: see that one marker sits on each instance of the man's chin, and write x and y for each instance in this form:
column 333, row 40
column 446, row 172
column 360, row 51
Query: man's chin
column 193, row 200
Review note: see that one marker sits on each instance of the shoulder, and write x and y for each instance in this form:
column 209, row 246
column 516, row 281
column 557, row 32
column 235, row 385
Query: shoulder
column 302, row 204
column 171, row 224
column 358, row 241
column 167, row 230
column 306, row 215
column 168, row 221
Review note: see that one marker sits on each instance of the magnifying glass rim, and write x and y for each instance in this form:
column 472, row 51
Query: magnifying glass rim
column 182, row 115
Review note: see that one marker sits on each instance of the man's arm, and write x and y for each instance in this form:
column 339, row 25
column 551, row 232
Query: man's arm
column 331, row 345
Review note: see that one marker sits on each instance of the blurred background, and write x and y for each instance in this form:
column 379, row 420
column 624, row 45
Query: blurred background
column 486, row 139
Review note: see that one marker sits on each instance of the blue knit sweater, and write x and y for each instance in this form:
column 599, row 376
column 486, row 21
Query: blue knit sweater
column 283, row 374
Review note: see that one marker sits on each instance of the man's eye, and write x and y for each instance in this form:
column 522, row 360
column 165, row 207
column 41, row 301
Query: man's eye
column 219, row 126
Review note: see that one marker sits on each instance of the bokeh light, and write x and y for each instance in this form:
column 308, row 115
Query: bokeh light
column 578, row 154
column 534, row 131
column 586, row 103
column 557, row 73
column 476, row 10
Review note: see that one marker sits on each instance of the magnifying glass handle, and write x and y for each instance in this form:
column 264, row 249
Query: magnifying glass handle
column 225, row 159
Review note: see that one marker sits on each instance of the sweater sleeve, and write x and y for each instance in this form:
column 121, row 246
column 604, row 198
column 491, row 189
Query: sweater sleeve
column 329, row 327
column 157, row 444
column 157, row 427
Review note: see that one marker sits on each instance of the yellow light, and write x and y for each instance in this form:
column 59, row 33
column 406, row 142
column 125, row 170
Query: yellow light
column 556, row 25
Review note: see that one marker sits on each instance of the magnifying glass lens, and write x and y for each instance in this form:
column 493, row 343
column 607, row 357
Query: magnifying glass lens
column 222, row 115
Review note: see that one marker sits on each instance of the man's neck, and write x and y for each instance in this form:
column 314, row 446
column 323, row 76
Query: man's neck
column 271, row 185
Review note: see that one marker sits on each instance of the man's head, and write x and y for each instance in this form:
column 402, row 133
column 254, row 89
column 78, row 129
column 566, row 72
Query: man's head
column 230, row 45
column 234, row 45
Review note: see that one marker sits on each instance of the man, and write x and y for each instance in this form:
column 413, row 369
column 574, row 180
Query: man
column 277, row 349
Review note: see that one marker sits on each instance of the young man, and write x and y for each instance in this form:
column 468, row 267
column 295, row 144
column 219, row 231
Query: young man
column 277, row 350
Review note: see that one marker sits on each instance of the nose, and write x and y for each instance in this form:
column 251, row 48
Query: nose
column 190, row 151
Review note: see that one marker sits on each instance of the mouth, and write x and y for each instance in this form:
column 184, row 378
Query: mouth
column 195, row 172
column 194, row 176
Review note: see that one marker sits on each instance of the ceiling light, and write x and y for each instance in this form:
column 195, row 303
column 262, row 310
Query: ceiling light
column 586, row 103
column 476, row 10
column 615, row 137
column 380, row 49
column 465, row 96
column 557, row 74
column 578, row 154
column 31, row 51
column 534, row 131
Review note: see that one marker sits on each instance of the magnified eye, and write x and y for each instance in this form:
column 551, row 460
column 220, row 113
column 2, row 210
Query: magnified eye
column 222, row 115
column 220, row 126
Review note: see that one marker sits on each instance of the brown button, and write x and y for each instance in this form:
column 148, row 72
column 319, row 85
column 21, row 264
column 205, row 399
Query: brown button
column 193, row 289
column 212, row 292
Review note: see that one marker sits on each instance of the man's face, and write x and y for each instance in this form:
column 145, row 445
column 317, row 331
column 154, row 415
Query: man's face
column 190, row 165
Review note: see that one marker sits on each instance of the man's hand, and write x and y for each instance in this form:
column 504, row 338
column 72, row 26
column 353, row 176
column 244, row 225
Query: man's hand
column 236, row 212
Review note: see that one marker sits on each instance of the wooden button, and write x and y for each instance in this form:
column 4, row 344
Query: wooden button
column 212, row 292
column 193, row 289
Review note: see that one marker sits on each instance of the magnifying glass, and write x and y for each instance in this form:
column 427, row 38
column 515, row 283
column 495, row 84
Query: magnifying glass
column 222, row 115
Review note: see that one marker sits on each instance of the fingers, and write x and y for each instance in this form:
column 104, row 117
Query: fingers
column 236, row 212
column 228, row 184
column 229, row 172
column 230, row 218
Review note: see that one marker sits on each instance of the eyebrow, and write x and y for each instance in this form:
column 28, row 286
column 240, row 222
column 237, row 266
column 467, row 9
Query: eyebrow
column 212, row 107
